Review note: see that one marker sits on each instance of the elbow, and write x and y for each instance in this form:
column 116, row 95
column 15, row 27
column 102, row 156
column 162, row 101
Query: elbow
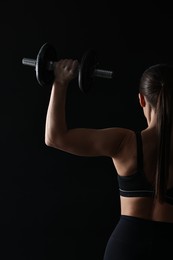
column 49, row 139
column 49, row 142
column 55, row 142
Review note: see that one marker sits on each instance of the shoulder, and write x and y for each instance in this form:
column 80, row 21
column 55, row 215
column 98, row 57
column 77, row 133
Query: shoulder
column 129, row 136
column 111, row 141
column 122, row 138
column 126, row 133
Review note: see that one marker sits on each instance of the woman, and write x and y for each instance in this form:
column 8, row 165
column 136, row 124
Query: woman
column 143, row 162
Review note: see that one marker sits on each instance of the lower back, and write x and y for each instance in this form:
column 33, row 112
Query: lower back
column 146, row 208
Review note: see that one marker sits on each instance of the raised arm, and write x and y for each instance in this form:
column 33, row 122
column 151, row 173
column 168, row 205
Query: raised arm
column 78, row 141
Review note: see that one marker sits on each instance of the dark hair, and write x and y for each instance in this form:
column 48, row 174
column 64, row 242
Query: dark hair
column 156, row 85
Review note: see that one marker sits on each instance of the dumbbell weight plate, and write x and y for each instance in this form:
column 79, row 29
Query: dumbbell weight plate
column 87, row 66
column 44, row 75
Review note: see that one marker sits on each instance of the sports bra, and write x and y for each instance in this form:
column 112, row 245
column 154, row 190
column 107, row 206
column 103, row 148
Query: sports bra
column 137, row 185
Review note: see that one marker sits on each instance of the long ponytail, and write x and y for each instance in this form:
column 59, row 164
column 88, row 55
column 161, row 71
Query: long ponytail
column 157, row 86
column 164, row 130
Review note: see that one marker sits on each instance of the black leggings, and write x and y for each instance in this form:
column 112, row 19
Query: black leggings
column 138, row 239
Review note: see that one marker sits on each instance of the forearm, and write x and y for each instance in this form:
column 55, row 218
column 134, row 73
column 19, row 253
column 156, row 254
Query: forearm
column 56, row 126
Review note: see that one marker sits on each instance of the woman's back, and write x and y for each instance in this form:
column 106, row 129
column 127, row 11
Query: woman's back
column 126, row 163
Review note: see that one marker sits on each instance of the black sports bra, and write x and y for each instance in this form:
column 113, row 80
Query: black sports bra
column 137, row 185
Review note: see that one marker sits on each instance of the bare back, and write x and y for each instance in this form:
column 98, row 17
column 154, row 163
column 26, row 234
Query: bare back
column 126, row 165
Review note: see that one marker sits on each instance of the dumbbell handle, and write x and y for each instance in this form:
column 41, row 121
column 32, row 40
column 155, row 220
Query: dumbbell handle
column 29, row 62
column 96, row 72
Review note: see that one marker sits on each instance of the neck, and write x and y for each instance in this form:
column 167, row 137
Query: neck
column 152, row 119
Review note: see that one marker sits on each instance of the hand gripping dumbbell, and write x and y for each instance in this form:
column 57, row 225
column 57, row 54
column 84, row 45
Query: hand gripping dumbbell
column 88, row 67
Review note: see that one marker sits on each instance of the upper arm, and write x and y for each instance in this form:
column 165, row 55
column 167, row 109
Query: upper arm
column 92, row 142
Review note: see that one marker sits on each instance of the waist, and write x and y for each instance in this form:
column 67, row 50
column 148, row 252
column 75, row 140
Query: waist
column 147, row 208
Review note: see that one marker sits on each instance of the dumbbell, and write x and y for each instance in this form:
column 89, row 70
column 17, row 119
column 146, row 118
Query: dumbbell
column 88, row 67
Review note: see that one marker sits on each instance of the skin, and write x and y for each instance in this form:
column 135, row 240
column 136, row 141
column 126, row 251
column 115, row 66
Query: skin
column 117, row 143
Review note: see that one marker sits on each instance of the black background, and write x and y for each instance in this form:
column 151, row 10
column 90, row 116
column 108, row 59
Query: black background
column 56, row 205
